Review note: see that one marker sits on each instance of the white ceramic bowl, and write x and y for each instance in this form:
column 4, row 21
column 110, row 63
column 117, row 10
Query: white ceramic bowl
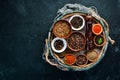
column 64, row 43
column 83, row 24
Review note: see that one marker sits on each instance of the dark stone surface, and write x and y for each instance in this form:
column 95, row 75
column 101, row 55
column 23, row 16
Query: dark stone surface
column 24, row 25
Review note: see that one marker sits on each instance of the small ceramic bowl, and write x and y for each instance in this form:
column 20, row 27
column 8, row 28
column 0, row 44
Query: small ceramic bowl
column 81, row 60
column 77, row 22
column 99, row 40
column 62, row 29
column 58, row 43
column 76, row 41
column 97, row 29
column 92, row 55
column 69, row 59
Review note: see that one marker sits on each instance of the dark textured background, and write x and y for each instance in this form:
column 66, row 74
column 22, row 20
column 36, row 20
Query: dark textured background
column 24, row 25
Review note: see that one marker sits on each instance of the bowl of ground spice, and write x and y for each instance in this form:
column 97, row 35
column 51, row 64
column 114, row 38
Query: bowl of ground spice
column 62, row 29
column 97, row 29
column 69, row 59
column 92, row 55
column 58, row 45
column 76, row 41
column 77, row 22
